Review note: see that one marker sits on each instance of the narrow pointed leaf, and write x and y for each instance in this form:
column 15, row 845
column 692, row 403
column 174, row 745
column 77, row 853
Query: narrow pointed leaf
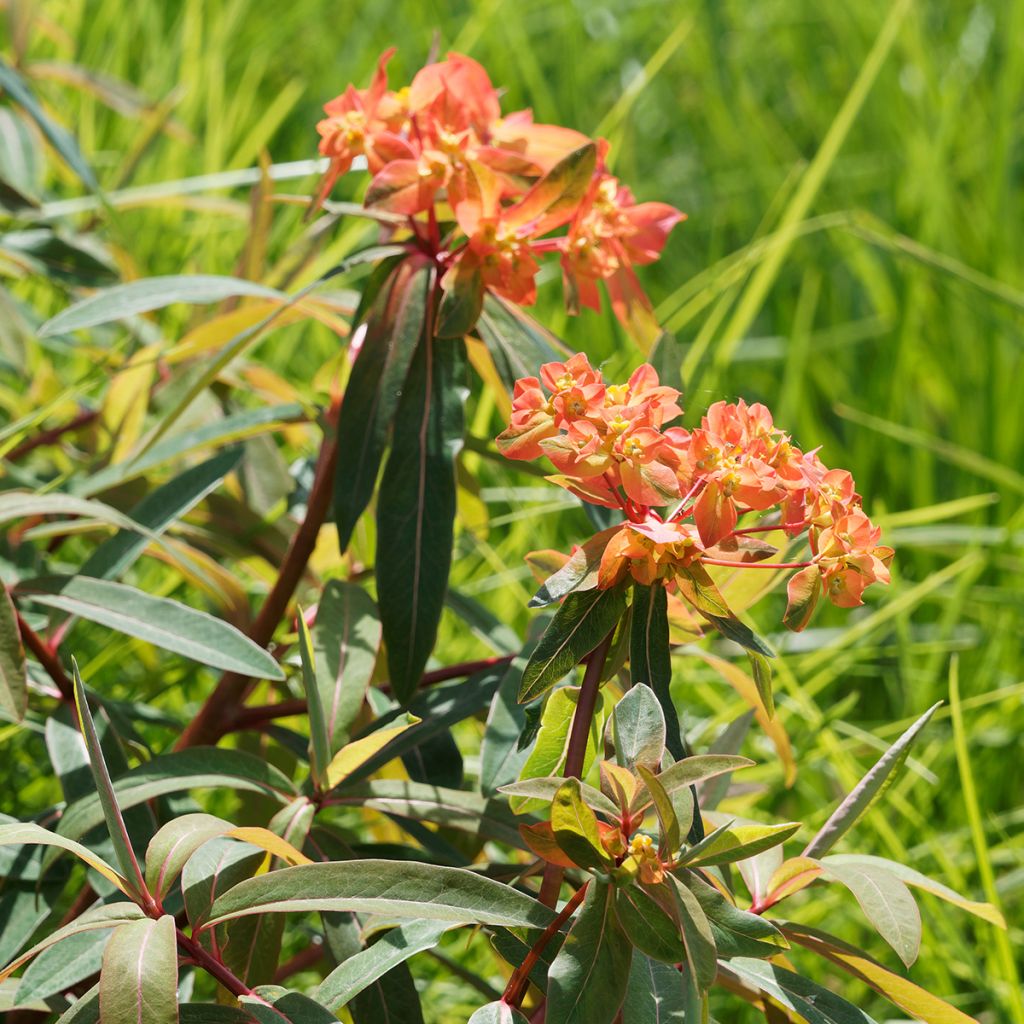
column 393, row 331
column 658, row 994
column 581, row 623
column 57, row 969
column 587, row 980
column 649, row 659
column 578, row 574
column 864, row 794
column 546, row 788
column 575, row 827
column 346, row 638
column 518, row 344
column 648, row 926
column 105, row 792
column 319, row 738
column 157, row 620
column 30, row 834
column 356, row 973
column 272, row 1004
column 416, row 510
column 691, row 770
column 701, row 955
column 886, row 903
column 125, row 300
column 410, row 890
column 139, row 980
column 671, row 834
column 731, row 843
column 13, row 687
column 353, row 755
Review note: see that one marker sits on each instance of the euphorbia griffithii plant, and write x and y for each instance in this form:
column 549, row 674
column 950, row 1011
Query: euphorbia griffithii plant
column 580, row 848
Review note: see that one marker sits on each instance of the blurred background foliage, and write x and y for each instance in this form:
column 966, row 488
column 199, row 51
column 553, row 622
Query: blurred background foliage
column 853, row 257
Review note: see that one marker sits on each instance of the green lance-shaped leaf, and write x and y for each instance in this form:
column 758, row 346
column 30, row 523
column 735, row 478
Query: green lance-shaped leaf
column 587, row 980
column 518, row 344
column 319, row 738
column 864, row 794
column 736, row 932
column 648, row 924
column 13, row 687
column 689, row 772
column 701, row 955
column 157, row 511
column 199, row 768
column 213, row 869
column 815, row 1004
column 355, row 754
column 580, row 624
column 105, row 792
column 761, row 670
column 575, row 828
column 16, row 87
column 272, row 1004
column 213, row 1013
column 125, row 300
column 637, row 727
column 346, row 639
column 393, row 997
column 358, row 972
column 416, row 510
column 732, row 842
column 658, row 994
column 157, row 620
column 919, row 881
column 671, row 829
column 139, row 980
column 29, row 834
column 101, row 918
column 84, row 1010
column 886, row 902
column 463, row 297
column 698, row 588
column 63, row 965
column 174, row 843
column 418, row 891
column 394, row 328
column 578, row 574
column 497, row 1013
column 546, row 788
column 649, row 658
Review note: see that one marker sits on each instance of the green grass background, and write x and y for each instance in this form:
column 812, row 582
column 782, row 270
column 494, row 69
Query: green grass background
column 853, row 257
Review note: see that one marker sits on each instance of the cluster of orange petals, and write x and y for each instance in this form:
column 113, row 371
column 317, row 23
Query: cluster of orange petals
column 615, row 445
column 440, row 150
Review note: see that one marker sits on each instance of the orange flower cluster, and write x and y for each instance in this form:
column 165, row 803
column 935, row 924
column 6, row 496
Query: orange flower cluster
column 441, row 153
column 614, row 445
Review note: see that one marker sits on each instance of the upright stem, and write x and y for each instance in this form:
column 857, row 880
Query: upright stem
column 215, row 716
column 582, row 719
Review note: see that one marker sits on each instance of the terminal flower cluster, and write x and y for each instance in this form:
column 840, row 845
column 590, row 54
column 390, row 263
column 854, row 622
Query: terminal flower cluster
column 485, row 192
column 690, row 497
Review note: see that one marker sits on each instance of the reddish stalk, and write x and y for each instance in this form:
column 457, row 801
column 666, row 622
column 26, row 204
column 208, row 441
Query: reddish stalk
column 756, row 565
column 45, row 437
column 303, row 960
column 214, row 967
column 214, row 716
column 515, row 990
column 45, row 656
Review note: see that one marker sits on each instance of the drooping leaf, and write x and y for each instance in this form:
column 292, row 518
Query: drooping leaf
column 157, row 620
column 904, row 993
column 648, row 925
column 392, row 997
column 671, row 828
column 13, row 688
column 701, row 955
column 272, row 1004
column 658, row 993
column 416, row 510
column 814, row 1003
column 163, row 506
column 85, row 1010
column 732, row 842
column 587, row 980
column 761, row 670
column 575, row 827
column 77, row 957
column 28, row 834
column 346, row 638
column 139, row 980
column 649, row 659
column 578, row 574
column 886, row 903
column 463, row 298
column 418, row 891
column 353, row 755
column 552, row 200
column 393, row 330
column 125, row 300
column 99, row 918
column 918, row 881
column 581, row 623
column 349, row 978
column 59, row 137
column 866, row 792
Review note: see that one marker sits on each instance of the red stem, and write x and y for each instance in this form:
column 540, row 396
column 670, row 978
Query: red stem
column 35, row 643
column 214, row 716
column 45, row 437
column 756, row 565
column 214, row 967
column 516, row 987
